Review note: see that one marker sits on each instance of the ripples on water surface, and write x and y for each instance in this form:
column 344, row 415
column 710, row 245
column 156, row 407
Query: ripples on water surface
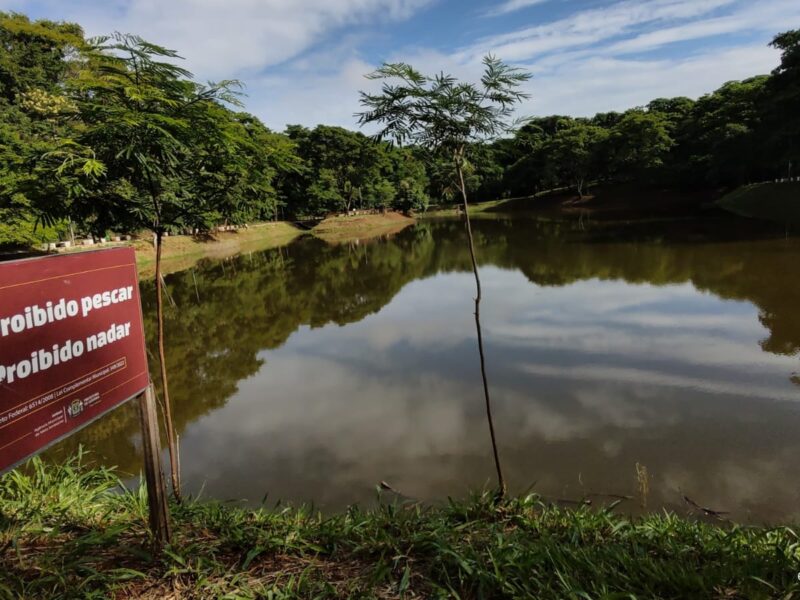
column 312, row 372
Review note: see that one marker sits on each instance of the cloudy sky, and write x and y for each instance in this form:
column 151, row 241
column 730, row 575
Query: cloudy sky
column 304, row 60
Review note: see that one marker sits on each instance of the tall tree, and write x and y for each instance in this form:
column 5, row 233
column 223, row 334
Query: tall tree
column 142, row 115
column 446, row 117
column 575, row 152
column 36, row 54
column 783, row 105
column 411, row 181
column 639, row 142
column 37, row 58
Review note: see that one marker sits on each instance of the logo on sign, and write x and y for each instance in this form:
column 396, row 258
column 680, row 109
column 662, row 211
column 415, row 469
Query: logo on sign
column 75, row 408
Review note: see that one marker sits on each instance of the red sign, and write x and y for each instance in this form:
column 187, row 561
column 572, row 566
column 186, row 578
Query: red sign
column 71, row 346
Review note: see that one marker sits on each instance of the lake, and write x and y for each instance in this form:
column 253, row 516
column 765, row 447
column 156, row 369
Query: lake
column 312, row 372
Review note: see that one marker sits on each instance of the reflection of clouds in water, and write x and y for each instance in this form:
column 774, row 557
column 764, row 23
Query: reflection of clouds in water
column 579, row 387
column 601, row 317
column 748, row 485
column 635, row 304
column 319, row 421
column 656, row 378
column 696, row 348
column 330, row 399
column 328, row 431
column 595, row 296
column 578, row 412
column 675, row 322
column 434, row 312
column 609, row 408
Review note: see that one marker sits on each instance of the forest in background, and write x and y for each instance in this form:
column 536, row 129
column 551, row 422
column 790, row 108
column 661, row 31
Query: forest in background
column 111, row 135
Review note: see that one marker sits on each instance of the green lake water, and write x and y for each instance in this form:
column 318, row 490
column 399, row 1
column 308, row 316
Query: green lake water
column 310, row 373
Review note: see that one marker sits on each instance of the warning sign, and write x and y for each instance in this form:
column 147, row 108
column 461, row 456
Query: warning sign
column 71, row 346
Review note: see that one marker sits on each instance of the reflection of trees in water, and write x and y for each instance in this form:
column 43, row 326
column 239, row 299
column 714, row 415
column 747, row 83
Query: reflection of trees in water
column 255, row 302
column 251, row 303
column 754, row 270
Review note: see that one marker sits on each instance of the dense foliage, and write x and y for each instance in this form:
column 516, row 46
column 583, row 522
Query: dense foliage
column 78, row 117
column 113, row 135
column 746, row 131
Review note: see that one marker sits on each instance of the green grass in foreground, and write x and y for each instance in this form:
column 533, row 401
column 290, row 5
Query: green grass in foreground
column 71, row 532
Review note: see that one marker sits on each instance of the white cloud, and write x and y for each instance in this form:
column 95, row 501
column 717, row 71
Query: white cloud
column 588, row 27
column 231, row 38
column 513, row 5
column 303, row 60
column 584, row 83
column 769, row 17
column 592, row 85
column 310, row 97
column 578, row 62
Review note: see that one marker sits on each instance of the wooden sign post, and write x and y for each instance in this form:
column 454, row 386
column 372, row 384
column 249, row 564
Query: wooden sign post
column 71, row 350
column 154, row 476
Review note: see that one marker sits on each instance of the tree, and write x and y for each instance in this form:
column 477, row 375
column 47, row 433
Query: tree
column 410, row 180
column 723, row 134
column 234, row 164
column 445, row 117
column 575, row 151
column 782, row 107
column 142, row 117
column 341, row 170
column 527, row 168
column 640, row 141
column 35, row 55
column 36, row 60
column 674, row 110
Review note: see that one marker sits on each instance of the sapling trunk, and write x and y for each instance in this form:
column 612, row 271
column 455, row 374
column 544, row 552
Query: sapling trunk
column 172, row 442
column 500, row 480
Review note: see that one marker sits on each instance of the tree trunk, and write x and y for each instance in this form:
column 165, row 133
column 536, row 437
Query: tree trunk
column 171, row 438
column 500, row 480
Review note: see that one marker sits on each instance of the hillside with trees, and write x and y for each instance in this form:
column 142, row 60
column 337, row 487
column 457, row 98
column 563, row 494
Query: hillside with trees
column 111, row 134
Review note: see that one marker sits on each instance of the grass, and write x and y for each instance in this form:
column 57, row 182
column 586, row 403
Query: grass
column 532, row 202
column 342, row 229
column 180, row 252
column 778, row 202
column 70, row 531
column 454, row 210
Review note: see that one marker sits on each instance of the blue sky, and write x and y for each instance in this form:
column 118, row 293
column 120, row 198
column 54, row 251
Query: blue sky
column 304, row 60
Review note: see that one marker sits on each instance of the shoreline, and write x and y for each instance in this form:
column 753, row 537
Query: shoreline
column 346, row 228
column 181, row 252
column 602, row 202
column 70, row 530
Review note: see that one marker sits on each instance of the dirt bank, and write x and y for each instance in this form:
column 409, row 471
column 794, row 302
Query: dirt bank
column 182, row 251
column 614, row 202
column 777, row 202
column 337, row 230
